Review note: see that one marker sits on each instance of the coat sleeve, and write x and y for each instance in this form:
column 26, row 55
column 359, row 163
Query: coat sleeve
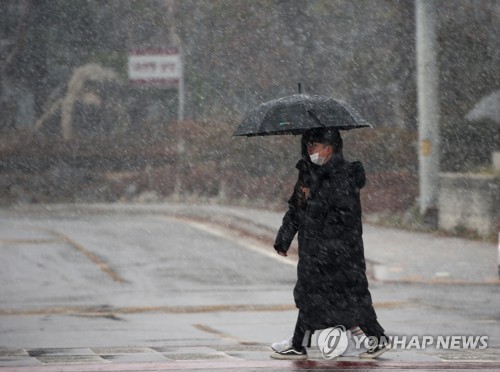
column 289, row 225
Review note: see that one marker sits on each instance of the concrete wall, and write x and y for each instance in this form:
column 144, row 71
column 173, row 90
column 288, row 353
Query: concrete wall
column 469, row 201
column 495, row 161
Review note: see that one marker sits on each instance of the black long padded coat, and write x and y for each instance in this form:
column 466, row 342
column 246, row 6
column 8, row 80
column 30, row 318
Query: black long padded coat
column 331, row 288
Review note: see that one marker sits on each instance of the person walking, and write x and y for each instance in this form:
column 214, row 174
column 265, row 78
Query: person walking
column 325, row 211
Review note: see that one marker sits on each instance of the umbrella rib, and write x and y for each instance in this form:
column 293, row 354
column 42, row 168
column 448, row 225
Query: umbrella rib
column 315, row 116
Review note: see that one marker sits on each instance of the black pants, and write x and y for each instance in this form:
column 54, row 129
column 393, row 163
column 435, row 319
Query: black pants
column 373, row 329
column 299, row 335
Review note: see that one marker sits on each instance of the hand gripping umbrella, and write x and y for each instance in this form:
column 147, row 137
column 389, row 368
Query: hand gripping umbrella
column 298, row 113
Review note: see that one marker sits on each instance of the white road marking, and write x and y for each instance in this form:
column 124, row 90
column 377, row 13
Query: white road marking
column 226, row 235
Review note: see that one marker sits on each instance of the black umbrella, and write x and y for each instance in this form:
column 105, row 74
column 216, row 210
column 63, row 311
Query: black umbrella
column 297, row 113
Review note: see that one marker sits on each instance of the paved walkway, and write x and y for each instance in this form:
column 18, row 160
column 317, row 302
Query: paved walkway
column 236, row 358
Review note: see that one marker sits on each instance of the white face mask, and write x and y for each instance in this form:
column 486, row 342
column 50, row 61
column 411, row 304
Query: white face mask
column 316, row 159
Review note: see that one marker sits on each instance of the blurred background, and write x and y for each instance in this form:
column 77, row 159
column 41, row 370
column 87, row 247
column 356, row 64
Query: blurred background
column 77, row 126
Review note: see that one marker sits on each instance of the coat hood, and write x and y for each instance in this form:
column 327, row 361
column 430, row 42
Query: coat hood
column 327, row 136
column 357, row 172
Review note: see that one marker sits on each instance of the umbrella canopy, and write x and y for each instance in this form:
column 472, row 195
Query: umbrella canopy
column 298, row 113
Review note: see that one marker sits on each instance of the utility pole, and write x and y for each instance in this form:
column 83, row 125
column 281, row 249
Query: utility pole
column 428, row 109
column 175, row 40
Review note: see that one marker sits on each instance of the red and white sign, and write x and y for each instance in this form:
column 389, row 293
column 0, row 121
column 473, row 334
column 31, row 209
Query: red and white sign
column 160, row 67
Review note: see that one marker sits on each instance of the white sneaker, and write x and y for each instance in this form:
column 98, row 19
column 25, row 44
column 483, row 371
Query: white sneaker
column 351, row 350
column 290, row 354
column 375, row 353
column 283, row 345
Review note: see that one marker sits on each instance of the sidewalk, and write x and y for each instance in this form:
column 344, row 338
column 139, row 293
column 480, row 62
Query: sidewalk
column 230, row 358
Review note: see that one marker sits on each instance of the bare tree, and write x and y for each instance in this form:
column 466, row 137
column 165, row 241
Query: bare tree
column 20, row 37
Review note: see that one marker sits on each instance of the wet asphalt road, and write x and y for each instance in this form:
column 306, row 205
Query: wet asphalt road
column 80, row 279
column 74, row 272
